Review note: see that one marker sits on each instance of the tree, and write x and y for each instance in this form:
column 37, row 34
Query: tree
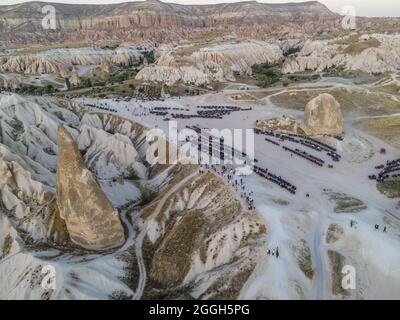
column 88, row 83
column 132, row 174
column 49, row 89
column 145, row 195
column 149, row 55
column 266, row 74
column 67, row 83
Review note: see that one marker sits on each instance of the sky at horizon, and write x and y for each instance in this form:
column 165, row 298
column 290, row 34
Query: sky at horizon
column 371, row 8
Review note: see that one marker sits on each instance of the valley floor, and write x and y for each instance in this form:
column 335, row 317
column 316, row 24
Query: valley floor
column 301, row 226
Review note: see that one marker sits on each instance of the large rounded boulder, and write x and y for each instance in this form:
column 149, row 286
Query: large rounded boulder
column 323, row 116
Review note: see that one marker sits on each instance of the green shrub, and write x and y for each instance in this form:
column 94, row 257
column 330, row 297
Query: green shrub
column 149, row 55
column 145, row 195
column 7, row 245
column 132, row 174
column 291, row 51
column 266, row 74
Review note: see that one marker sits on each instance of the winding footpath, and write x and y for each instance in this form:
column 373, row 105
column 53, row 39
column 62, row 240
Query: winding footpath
column 139, row 239
column 318, row 256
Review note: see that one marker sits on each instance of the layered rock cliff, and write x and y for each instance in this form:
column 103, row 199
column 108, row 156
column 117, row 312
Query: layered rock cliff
column 160, row 21
column 154, row 13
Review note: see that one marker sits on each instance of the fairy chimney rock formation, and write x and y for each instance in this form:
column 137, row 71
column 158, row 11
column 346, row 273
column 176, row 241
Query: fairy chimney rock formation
column 91, row 220
column 323, row 116
column 105, row 67
column 74, row 80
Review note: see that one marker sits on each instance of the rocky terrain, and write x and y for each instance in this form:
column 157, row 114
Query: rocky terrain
column 203, row 219
column 217, row 63
column 204, row 65
column 61, row 61
column 73, row 183
column 370, row 53
column 283, row 124
column 209, row 62
column 79, row 196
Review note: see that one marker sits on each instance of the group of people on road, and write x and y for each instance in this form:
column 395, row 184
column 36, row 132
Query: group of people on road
column 103, row 107
column 236, row 182
column 273, row 252
column 239, row 185
column 377, row 227
column 353, row 224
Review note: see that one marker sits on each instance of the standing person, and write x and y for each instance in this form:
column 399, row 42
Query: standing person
column 277, row 252
column 384, row 229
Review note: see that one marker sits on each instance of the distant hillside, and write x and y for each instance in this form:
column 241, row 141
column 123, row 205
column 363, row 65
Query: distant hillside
column 156, row 19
